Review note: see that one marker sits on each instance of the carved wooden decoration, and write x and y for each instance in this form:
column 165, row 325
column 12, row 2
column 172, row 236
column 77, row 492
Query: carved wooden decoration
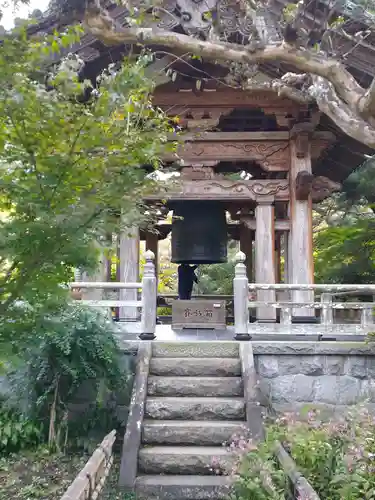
column 304, row 182
column 319, row 187
column 272, row 156
column 323, row 188
column 197, row 173
column 196, row 17
column 227, row 190
column 269, row 149
column 197, row 118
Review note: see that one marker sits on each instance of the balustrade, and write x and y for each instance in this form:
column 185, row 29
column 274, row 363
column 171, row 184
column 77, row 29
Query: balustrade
column 326, row 304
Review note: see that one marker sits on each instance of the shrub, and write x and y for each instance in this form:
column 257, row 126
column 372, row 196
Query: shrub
column 17, row 432
column 73, row 357
column 337, row 457
column 256, row 473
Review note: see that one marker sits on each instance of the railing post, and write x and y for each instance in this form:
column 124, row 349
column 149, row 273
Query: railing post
column 367, row 317
column 326, row 311
column 285, row 316
column 241, row 292
column 149, row 292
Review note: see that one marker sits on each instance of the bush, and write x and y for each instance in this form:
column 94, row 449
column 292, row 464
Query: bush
column 337, row 458
column 72, row 357
column 17, row 432
column 257, row 474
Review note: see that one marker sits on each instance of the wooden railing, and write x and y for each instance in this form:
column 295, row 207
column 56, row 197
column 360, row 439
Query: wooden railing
column 326, row 305
column 90, row 480
column 147, row 304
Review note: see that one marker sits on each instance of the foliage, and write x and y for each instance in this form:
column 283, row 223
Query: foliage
column 337, row 457
column 346, row 254
column 257, row 475
column 73, row 357
column 217, row 279
column 345, row 245
column 17, row 432
column 70, row 162
column 167, row 277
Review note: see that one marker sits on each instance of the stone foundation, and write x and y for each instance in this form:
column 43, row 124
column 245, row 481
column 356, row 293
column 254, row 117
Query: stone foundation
column 329, row 375
column 293, row 375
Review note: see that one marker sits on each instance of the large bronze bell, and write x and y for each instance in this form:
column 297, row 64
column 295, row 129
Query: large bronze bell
column 199, row 232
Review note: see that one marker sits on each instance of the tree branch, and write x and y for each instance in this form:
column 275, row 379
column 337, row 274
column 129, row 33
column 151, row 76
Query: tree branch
column 366, row 104
column 285, row 90
column 349, row 121
column 102, row 26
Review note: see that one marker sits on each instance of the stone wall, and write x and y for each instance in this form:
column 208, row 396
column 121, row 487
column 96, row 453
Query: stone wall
column 293, row 375
column 328, row 375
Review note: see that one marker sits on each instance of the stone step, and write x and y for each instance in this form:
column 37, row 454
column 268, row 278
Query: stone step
column 199, row 432
column 182, row 487
column 195, row 367
column 195, row 408
column 185, row 460
column 195, row 386
column 201, row 349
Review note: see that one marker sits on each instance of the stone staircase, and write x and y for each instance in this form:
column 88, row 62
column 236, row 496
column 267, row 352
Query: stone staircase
column 194, row 404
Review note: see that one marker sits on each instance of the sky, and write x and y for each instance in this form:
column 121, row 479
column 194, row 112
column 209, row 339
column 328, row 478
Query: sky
column 23, row 11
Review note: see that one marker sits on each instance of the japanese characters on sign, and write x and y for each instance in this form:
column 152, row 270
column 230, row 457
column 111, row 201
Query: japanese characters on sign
column 198, row 313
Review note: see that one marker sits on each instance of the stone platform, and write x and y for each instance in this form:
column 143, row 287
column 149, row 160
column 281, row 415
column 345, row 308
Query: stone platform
column 258, row 331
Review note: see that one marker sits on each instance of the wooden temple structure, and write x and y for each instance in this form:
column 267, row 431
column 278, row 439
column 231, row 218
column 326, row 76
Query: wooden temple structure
column 274, row 148
column 263, row 158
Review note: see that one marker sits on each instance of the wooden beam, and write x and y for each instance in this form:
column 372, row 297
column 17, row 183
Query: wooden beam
column 280, row 224
column 232, row 136
column 270, row 149
column 225, row 190
column 272, row 154
column 265, row 99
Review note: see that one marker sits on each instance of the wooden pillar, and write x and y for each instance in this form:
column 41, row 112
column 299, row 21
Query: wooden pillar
column 265, row 257
column 301, row 247
column 246, row 246
column 152, row 243
column 285, row 254
column 100, row 274
column 129, row 269
column 277, row 257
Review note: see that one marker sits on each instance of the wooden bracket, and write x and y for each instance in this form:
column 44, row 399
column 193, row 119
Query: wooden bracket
column 304, row 183
column 302, row 133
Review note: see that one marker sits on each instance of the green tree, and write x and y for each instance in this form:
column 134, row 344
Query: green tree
column 345, row 247
column 217, row 279
column 70, row 163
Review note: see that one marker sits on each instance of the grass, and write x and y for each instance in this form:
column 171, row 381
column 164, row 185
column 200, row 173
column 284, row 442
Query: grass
column 39, row 474
column 111, row 490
